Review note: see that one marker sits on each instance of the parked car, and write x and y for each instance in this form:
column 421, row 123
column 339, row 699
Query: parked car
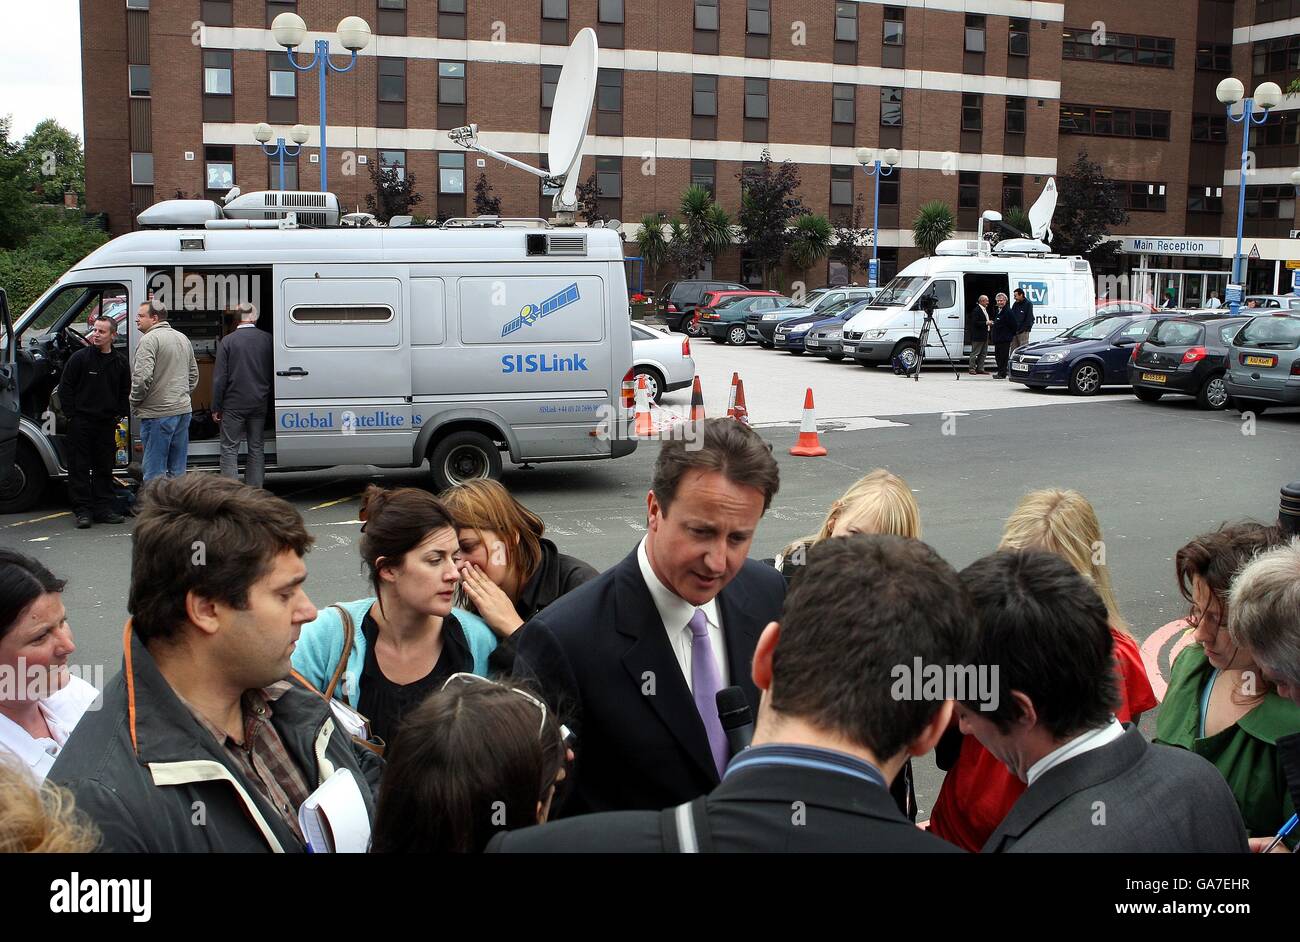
column 1263, row 363
column 1088, row 356
column 761, row 325
column 726, row 322
column 1289, row 302
column 664, row 361
column 792, row 335
column 1186, row 356
column 1125, row 307
column 678, row 299
column 712, row 299
column 821, row 299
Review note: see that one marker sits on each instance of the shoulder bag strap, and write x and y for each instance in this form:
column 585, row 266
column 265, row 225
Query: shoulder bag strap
column 348, row 629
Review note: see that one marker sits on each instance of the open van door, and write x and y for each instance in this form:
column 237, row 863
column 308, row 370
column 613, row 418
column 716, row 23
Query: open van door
column 8, row 392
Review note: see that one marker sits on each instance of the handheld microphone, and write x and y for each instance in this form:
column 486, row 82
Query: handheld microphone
column 1288, row 513
column 736, row 717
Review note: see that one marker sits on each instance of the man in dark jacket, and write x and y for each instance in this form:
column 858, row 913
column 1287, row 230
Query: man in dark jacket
column 978, row 334
column 1003, row 333
column 94, row 396
column 241, row 391
column 1024, row 311
column 205, row 743
column 835, row 723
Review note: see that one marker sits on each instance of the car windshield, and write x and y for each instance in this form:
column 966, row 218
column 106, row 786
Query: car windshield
column 1098, row 328
column 901, row 291
column 1272, row 332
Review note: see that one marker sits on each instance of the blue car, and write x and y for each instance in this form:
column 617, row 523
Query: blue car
column 1088, row 356
column 792, row 335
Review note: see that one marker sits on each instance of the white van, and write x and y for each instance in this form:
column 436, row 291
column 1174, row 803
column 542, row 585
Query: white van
column 392, row 345
column 1060, row 287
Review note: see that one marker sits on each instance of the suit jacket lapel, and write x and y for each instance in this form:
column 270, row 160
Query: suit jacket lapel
column 649, row 657
column 741, row 629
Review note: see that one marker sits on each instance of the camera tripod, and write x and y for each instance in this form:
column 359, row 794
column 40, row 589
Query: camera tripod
column 923, row 340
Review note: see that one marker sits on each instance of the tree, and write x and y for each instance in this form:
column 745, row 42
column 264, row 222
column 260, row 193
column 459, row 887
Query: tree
column 768, row 209
column 1087, row 206
column 55, row 162
column 588, row 200
column 652, row 243
column 698, row 234
column 485, row 204
column 16, row 221
column 934, row 223
column 811, row 242
column 394, row 194
column 852, row 241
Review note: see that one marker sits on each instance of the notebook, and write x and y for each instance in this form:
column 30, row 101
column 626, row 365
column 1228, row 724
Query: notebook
column 334, row 818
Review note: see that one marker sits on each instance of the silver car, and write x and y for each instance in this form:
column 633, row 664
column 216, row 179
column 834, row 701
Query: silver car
column 664, row 360
column 1288, row 302
column 1264, row 363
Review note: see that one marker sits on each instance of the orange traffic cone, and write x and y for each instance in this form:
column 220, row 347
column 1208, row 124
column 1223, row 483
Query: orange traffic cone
column 643, row 425
column 697, row 402
column 808, row 446
column 738, row 410
column 731, row 395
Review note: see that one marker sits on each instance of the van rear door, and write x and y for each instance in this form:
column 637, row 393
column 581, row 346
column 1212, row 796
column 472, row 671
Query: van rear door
column 343, row 365
column 8, row 391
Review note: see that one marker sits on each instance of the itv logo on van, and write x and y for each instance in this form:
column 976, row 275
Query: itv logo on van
column 1035, row 291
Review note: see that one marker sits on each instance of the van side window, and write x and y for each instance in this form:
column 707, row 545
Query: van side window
column 945, row 292
column 350, row 314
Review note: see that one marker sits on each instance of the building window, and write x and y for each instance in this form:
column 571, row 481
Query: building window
column 142, row 169
column 290, row 173
column 1013, row 190
column 975, row 34
column 555, row 22
column 218, row 72
column 1018, row 40
column 391, row 20
column 451, row 19
column 841, row 187
column 140, row 79
column 283, row 80
column 609, row 102
column 550, row 79
column 890, row 187
column 1142, row 197
column 220, row 167
column 843, row 106
column 610, row 11
column 1277, row 55
column 891, row 106
column 706, row 14
column 758, row 17
column 1015, row 116
column 893, row 27
column 1205, row 199
column 846, row 22
column 704, row 107
column 1114, row 122
column 275, row 7
column 1269, row 11
column 1119, row 48
column 705, row 173
column 392, row 80
column 395, row 159
column 1210, row 128
column 451, row 173
column 609, row 23
column 451, row 83
column 137, row 4
column 756, row 98
column 972, row 112
column 217, row 12
column 968, row 190
column 609, row 186
column 1214, row 57
column 1275, row 202
column 555, row 9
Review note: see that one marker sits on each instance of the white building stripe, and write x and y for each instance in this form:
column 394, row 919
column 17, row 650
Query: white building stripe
column 634, row 60
column 1253, row 34
column 529, row 145
column 1263, row 176
column 1032, row 9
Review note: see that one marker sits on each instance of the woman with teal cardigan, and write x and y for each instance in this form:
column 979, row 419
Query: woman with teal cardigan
column 384, row 654
column 1218, row 704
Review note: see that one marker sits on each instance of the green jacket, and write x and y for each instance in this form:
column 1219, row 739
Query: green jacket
column 1246, row 752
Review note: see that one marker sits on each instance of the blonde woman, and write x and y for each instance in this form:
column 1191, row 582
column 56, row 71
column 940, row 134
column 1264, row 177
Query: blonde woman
column 40, row 818
column 978, row 790
column 880, row 503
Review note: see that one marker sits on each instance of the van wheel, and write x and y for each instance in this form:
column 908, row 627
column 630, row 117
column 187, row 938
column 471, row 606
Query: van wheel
column 26, row 482
column 1213, row 394
column 736, row 336
column 464, row 456
column 1085, row 379
column 908, row 355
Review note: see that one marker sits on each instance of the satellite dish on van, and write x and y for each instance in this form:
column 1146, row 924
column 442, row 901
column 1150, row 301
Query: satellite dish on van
column 1040, row 214
column 570, row 112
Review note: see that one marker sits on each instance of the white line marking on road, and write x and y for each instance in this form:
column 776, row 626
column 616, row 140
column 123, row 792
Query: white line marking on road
column 23, row 523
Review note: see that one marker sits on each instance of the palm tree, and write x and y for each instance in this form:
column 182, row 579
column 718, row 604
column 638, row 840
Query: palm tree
column 934, row 223
column 1017, row 218
column 812, row 241
column 706, row 221
column 652, row 243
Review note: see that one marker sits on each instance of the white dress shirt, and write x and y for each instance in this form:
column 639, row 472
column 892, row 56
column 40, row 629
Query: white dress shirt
column 1093, row 739
column 62, row 710
column 675, row 613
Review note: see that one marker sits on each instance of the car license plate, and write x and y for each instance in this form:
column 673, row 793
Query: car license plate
column 1154, row 378
column 848, row 346
column 1261, row 361
column 1020, row 367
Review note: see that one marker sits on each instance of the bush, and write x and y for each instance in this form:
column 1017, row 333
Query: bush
column 61, row 239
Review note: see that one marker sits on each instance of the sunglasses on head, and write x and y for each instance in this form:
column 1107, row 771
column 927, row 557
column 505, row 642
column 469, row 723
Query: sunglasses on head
column 465, row 677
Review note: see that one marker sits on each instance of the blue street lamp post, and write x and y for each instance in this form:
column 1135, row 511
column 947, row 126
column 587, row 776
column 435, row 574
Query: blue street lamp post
column 876, row 166
column 264, row 133
column 354, row 34
column 1267, row 97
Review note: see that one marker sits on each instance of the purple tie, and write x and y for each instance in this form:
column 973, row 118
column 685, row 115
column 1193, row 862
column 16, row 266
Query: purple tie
column 706, row 683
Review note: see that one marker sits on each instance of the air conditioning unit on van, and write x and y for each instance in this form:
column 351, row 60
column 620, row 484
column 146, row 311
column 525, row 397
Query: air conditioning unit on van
column 312, row 209
column 960, row 247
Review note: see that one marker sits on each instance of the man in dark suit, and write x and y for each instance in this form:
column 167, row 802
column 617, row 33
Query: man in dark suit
column 241, row 392
column 977, row 328
column 1024, row 311
column 842, row 709
column 633, row 660
column 1005, row 325
column 1095, row 785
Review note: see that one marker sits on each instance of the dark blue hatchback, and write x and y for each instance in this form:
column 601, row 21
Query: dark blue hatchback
column 791, row 334
column 1088, row 356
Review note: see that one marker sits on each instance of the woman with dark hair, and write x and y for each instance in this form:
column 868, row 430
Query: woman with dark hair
column 384, row 654
column 475, row 758
column 42, row 702
column 1219, row 703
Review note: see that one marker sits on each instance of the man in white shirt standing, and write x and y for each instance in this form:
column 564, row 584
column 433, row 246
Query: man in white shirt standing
column 1094, row 785
column 633, row 660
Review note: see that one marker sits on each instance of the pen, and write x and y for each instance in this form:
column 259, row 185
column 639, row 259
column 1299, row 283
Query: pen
column 1286, row 829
